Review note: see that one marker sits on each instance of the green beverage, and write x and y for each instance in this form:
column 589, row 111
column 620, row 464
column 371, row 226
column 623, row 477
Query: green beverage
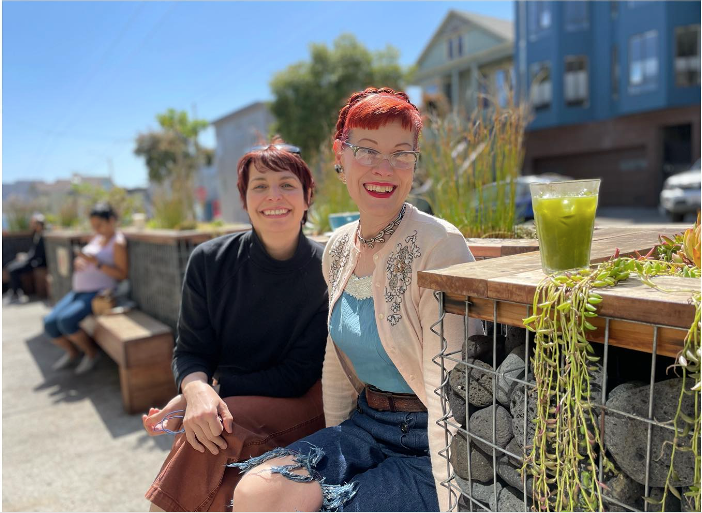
column 564, row 213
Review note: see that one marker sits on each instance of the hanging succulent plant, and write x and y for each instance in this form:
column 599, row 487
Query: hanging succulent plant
column 568, row 443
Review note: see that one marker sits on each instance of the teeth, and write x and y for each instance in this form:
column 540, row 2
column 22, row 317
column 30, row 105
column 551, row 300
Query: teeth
column 379, row 188
column 275, row 212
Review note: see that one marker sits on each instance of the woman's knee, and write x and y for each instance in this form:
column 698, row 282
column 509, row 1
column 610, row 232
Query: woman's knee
column 68, row 325
column 51, row 327
column 261, row 489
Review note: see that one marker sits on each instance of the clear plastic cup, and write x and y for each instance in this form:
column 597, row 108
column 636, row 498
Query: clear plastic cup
column 564, row 213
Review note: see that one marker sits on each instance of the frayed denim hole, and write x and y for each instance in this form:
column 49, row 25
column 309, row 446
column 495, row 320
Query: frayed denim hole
column 307, row 461
column 245, row 466
column 335, row 496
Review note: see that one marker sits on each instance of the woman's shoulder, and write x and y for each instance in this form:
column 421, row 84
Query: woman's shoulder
column 341, row 237
column 432, row 227
column 221, row 247
column 120, row 239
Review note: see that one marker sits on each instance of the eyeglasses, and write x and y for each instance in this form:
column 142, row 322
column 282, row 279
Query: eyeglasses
column 370, row 157
column 285, row 147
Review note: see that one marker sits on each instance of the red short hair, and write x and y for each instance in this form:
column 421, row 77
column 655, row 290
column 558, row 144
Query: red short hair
column 276, row 160
column 376, row 107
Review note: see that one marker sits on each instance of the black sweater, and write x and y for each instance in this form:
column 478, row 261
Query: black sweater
column 257, row 324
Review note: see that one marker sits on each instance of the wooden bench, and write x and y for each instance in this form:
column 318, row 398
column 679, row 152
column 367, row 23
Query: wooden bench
column 142, row 347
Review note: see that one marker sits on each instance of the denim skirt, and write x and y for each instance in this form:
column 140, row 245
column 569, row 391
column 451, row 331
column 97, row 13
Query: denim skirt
column 374, row 461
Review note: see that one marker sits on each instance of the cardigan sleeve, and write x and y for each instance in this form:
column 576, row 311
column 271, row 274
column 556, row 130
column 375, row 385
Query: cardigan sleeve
column 196, row 347
column 449, row 251
column 339, row 394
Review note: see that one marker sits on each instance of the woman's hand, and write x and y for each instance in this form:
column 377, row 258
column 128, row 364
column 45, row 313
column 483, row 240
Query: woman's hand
column 152, row 420
column 206, row 416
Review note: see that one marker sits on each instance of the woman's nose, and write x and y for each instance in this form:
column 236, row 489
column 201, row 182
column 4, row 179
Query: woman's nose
column 384, row 168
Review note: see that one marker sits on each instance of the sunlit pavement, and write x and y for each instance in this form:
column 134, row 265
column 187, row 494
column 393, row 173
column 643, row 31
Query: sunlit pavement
column 67, row 445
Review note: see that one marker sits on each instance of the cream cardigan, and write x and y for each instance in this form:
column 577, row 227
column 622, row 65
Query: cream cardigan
column 404, row 315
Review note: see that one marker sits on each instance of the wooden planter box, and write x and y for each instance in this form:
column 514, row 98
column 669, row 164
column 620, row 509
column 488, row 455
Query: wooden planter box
column 645, row 322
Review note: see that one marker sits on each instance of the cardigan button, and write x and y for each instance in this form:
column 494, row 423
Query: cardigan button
column 404, row 427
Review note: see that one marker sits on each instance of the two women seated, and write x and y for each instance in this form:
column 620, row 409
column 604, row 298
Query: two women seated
column 265, row 314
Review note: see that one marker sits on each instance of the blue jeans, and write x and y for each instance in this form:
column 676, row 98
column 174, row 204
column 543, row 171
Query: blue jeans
column 374, row 461
column 68, row 312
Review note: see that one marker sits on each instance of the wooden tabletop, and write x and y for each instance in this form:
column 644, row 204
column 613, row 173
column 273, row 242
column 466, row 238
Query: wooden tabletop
column 512, row 281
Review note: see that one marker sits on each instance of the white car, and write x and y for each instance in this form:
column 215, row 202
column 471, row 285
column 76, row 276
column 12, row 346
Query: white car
column 681, row 194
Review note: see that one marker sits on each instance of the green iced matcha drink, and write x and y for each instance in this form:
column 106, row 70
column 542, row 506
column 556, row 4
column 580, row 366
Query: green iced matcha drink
column 564, row 213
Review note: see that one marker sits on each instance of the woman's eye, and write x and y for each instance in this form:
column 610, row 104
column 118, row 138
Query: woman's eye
column 288, row 186
column 259, row 187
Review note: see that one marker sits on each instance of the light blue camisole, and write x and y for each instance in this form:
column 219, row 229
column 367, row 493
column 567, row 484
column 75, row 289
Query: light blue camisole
column 352, row 327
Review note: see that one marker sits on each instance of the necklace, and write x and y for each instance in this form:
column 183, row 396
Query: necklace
column 385, row 232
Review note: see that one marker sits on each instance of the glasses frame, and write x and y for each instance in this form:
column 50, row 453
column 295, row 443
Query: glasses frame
column 285, row 147
column 383, row 156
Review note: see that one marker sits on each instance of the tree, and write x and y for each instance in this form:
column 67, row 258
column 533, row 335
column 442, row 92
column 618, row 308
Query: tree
column 173, row 155
column 308, row 95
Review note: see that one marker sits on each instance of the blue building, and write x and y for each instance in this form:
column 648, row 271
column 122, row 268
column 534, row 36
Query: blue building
column 615, row 91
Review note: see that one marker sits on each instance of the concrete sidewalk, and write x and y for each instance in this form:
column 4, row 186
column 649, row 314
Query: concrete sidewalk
column 67, row 445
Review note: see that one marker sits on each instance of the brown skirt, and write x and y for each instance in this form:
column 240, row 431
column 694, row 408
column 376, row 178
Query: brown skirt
column 194, row 481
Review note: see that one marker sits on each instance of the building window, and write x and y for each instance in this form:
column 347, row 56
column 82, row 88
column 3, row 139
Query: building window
column 539, row 14
column 643, row 62
column 575, row 90
column 541, row 89
column 455, row 47
column 576, row 15
column 687, row 56
column 615, row 72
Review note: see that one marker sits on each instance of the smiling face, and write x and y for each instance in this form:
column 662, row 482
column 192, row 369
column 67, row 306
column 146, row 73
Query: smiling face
column 275, row 201
column 378, row 191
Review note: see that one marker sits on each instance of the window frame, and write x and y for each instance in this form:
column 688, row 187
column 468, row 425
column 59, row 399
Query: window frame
column 577, row 102
column 583, row 24
column 535, row 69
column 693, row 27
column 648, row 82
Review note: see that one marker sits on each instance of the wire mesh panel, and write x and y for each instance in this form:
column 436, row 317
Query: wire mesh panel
column 489, row 400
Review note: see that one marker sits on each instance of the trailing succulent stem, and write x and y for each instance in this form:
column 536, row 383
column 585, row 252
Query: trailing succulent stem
column 568, row 443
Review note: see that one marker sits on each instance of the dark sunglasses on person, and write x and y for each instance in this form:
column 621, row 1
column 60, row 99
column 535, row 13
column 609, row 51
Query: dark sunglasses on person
column 285, row 147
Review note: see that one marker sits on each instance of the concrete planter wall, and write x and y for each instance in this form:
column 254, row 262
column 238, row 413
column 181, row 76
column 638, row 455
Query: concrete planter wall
column 13, row 243
column 157, row 261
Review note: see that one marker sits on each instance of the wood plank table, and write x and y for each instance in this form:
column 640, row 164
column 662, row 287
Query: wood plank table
column 634, row 310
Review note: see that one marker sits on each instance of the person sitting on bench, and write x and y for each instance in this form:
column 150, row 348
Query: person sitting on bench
column 253, row 315
column 98, row 266
column 26, row 262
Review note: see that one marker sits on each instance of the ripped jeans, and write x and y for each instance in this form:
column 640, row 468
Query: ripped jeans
column 374, row 461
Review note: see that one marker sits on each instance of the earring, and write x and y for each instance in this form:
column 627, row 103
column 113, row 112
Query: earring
column 340, row 173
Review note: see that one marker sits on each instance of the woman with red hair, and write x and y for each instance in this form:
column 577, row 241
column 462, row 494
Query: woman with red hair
column 380, row 450
column 252, row 318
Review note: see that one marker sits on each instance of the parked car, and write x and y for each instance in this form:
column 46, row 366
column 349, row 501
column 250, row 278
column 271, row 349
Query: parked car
column 681, row 194
column 522, row 194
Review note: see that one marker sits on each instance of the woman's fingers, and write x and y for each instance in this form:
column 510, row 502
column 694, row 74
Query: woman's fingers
column 190, row 436
column 226, row 416
column 204, row 440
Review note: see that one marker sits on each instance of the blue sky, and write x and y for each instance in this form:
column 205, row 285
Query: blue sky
column 81, row 79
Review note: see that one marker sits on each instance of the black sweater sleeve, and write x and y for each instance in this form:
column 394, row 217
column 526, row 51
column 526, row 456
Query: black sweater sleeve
column 300, row 369
column 196, row 344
